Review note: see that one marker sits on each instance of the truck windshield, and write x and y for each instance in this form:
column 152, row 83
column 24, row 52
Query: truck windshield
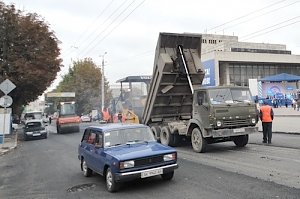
column 128, row 136
column 229, row 96
column 67, row 109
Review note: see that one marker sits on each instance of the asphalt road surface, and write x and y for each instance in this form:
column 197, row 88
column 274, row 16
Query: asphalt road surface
column 49, row 168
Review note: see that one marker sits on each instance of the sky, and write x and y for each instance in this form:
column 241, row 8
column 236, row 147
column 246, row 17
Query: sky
column 124, row 33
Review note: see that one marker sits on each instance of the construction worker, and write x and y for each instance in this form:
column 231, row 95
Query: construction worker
column 105, row 115
column 266, row 117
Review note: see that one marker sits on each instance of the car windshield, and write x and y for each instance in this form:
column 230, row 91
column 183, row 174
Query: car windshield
column 33, row 125
column 128, row 136
column 35, row 115
column 229, row 96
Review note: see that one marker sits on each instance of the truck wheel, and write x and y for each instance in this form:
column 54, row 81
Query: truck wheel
column 241, row 141
column 87, row 172
column 111, row 184
column 166, row 137
column 198, row 142
column 167, row 176
column 156, row 132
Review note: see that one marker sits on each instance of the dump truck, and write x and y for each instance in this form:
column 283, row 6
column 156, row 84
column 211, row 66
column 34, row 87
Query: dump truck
column 178, row 107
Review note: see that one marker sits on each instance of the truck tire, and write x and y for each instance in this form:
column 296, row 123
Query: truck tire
column 198, row 142
column 156, row 132
column 166, row 137
column 241, row 140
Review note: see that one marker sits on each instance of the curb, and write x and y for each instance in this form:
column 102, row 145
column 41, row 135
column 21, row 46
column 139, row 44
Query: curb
column 5, row 151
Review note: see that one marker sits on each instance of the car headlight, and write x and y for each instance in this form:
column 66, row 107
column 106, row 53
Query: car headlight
column 253, row 120
column 219, row 123
column 127, row 164
column 169, row 157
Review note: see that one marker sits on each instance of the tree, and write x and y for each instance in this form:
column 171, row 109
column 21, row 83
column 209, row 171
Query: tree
column 84, row 78
column 29, row 54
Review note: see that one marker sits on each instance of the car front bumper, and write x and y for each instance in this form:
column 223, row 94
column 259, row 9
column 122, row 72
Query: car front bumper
column 127, row 176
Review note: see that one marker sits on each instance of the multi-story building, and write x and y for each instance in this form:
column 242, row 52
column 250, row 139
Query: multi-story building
column 228, row 61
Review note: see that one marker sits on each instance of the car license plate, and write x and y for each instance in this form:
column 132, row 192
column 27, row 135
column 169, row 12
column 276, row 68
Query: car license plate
column 36, row 134
column 152, row 172
column 239, row 130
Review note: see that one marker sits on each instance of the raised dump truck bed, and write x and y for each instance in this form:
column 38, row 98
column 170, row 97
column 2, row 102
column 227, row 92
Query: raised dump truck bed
column 171, row 89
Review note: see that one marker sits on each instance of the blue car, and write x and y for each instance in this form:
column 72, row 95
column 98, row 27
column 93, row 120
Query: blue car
column 124, row 152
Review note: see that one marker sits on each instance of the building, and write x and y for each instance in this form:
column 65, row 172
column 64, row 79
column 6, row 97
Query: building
column 230, row 62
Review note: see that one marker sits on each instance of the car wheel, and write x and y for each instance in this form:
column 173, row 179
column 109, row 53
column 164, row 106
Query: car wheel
column 87, row 172
column 167, row 176
column 111, row 184
column 241, row 141
column 198, row 142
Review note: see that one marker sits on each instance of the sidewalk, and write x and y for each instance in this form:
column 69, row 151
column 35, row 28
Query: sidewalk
column 9, row 144
column 286, row 112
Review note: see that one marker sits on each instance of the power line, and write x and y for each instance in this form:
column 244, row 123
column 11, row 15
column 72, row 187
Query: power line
column 271, row 11
column 85, row 51
column 254, row 34
column 84, row 32
column 104, row 37
column 243, row 16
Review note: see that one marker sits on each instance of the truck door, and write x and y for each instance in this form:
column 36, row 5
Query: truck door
column 201, row 108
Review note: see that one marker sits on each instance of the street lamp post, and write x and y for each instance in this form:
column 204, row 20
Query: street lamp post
column 102, row 83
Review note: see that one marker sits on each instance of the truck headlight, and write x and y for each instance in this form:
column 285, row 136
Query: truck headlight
column 127, row 164
column 219, row 123
column 169, row 157
column 253, row 120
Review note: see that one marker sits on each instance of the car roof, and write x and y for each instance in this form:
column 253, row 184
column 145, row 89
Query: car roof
column 116, row 126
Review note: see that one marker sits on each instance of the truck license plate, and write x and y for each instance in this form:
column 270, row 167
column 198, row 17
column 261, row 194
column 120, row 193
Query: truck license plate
column 150, row 173
column 239, row 130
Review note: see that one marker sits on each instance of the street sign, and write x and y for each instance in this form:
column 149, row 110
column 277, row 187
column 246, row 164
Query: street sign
column 7, row 86
column 6, row 101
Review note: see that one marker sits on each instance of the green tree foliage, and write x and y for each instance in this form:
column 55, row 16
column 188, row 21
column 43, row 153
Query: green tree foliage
column 84, row 78
column 29, row 54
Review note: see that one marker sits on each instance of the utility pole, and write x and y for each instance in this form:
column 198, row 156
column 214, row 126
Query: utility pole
column 102, row 83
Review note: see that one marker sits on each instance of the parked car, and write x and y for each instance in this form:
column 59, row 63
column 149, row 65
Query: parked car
column 85, row 118
column 35, row 128
column 124, row 152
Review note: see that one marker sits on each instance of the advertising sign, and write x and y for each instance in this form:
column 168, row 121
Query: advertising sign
column 209, row 78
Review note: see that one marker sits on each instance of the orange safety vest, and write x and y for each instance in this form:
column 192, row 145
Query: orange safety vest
column 105, row 115
column 266, row 113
